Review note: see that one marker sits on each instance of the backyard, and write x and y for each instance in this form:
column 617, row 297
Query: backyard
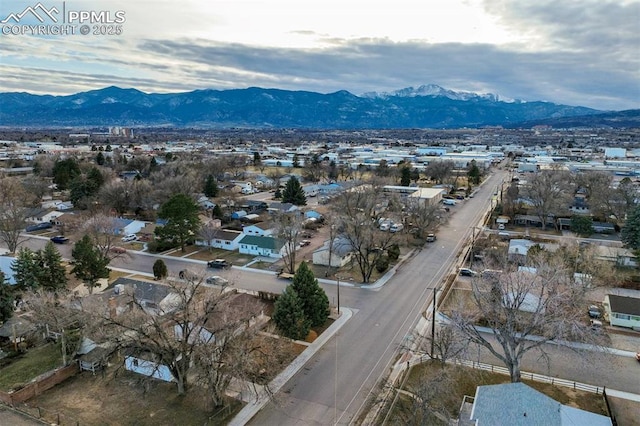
column 29, row 365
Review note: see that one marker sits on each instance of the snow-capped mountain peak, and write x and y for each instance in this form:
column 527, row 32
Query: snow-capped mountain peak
column 434, row 90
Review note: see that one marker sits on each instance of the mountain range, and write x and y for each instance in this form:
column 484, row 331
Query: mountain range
column 427, row 106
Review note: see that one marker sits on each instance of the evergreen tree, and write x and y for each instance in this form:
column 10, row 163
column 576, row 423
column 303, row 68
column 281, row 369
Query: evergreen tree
column 293, row 193
column 7, row 300
column 630, row 232
column 210, row 187
column 64, row 171
column 99, row 158
column 405, row 176
column 296, row 161
column 25, row 269
column 257, row 160
column 90, row 263
column 216, row 212
column 315, row 303
column 277, row 194
column 289, row 316
column 52, row 274
column 473, row 174
column 159, row 269
column 181, row 213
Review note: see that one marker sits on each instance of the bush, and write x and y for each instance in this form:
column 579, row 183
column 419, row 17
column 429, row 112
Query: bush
column 393, row 252
column 382, row 264
column 156, row 246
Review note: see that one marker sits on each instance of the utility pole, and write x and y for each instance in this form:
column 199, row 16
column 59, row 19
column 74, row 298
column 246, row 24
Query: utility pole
column 433, row 322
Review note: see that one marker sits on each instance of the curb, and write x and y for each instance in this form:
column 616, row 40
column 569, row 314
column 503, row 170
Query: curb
column 251, row 409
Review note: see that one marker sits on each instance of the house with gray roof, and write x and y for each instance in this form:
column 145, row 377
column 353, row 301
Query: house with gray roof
column 341, row 253
column 623, row 311
column 221, row 238
column 516, row 404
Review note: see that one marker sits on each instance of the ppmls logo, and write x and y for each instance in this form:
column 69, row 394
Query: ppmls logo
column 60, row 20
column 17, row 17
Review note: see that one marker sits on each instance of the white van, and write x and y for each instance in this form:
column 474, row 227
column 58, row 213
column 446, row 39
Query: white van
column 396, row 227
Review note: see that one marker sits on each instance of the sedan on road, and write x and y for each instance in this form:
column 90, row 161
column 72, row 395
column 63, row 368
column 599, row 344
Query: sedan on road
column 59, row 239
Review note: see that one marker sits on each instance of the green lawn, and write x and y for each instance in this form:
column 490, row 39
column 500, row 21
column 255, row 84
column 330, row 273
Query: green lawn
column 30, row 365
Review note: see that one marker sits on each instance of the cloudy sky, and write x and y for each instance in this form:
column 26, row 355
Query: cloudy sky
column 576, row 52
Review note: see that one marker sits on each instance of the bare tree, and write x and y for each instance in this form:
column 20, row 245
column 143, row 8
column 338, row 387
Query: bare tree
column 439, row 170
column 358, row 214
column 598, row 189
column 288, row 228
column 103, row 231
column 14, row 205
column 192, row 332
column 525, row 312
column 422, row 216
column 549, row 192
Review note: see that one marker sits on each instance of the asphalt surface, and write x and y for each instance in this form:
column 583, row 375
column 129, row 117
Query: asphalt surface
column 335, row 385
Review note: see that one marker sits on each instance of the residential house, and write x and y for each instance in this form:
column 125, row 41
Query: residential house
column 518, row 249
column 517, row 404
column 41, row 215
column 239, row 214
column 623, row 311
column 619, row 255
column 277, row 207
column 152, row 297
column 222, row 239
column 262, row 246
column 254, row 206
column 261, row 229
column 312, row 214
column 341, row 253
column 127, row 226
column 5, row 268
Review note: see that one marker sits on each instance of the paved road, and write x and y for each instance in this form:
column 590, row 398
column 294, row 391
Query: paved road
column 335, row 385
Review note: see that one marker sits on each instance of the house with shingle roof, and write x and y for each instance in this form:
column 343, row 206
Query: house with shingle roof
column 261, row 246
column 221, row 238
column 623, row 311
column 516, row 404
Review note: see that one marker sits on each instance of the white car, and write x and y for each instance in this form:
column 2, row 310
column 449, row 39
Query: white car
column 129, row 237
column 217, row 280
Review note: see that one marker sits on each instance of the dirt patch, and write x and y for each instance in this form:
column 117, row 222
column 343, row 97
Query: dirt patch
column 122, row 398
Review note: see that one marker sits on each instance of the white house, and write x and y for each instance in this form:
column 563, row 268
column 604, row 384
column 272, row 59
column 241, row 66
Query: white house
column 127, row 226
column 222, row 239
column 261, row 229
column 623, row 311
column 341, row 253
column 42, row 215
column 261, row 246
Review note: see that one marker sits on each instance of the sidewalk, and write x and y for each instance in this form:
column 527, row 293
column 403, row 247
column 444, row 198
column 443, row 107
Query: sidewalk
column 252, row 408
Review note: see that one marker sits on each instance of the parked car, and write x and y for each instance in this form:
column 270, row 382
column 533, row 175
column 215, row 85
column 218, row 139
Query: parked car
column 596, row 325
column 129, row 237
column 385, row 226
column 59, row 239
column 217, row 280
column 118, row 250
column 466, row 272
column 431, row 238
column 38, row 227
column 501, row 226
column 304, row 243
column 218, row 264
column 594, row 312
column 396, row 227
column 285, row 275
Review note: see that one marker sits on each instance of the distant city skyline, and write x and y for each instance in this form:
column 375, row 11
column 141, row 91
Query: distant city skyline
column 575, row 52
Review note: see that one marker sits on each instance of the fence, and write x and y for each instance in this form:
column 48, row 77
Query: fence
column 44, row 382
column 532, row 376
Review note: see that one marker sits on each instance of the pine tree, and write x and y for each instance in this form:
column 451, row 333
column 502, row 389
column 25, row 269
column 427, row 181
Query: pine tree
column 405, row 179
column 52, row 274
column 99, row 158
column 210, row 187
column 90, row 264
column 183, row 222
column 315, row 303
column 630, row 232
column 289, row 316
column 25, row 270
column 293, row 193
column 7, row 300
